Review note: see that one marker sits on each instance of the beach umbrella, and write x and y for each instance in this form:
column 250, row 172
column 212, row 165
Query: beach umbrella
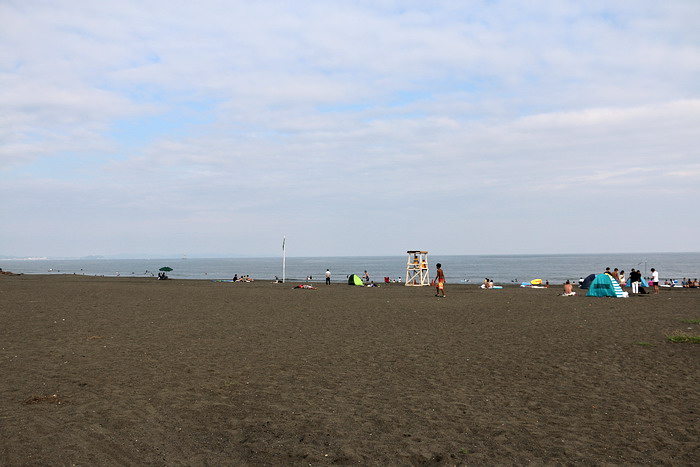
column 166, row 268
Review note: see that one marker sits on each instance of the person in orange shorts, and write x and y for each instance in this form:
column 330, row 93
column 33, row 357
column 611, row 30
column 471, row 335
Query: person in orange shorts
column 440, row 281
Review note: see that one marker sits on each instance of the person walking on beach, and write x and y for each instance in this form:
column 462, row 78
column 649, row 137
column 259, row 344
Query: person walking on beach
column 655, row 280
column 328, row 277
column 439, row 281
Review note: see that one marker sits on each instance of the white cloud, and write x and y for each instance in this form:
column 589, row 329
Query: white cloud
column 340, row 117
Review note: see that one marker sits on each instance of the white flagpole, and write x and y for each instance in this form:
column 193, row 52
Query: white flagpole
column 284, row 259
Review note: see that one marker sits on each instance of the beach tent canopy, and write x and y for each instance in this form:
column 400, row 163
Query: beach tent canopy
column 354, row 279
column 605, row 285
column 587, row 281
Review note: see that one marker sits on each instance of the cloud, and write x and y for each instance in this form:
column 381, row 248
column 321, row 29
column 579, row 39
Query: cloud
column 332, row 118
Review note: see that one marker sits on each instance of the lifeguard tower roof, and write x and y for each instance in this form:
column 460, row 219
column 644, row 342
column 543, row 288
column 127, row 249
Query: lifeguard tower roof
column 417, row 251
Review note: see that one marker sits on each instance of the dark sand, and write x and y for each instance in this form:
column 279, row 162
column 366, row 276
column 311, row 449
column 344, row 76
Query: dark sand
column 119, row 371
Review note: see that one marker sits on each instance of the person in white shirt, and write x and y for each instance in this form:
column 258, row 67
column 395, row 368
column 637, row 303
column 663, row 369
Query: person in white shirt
column 655, row 280
column 328, row 277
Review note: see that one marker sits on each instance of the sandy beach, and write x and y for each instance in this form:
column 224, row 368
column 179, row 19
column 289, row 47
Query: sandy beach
column 123, row 371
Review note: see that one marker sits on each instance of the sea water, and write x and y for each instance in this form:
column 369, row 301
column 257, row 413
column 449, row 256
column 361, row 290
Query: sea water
column 470, row 269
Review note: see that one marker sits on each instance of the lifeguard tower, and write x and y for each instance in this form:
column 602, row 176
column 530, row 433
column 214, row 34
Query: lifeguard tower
column 417, row 268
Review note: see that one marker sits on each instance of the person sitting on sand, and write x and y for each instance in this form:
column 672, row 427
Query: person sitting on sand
column 568, row 289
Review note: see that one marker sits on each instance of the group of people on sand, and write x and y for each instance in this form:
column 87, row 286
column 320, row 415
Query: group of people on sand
column 616, row 274
column 245, row 278
column 636, row 282
column 686, row 283
column 635, row 279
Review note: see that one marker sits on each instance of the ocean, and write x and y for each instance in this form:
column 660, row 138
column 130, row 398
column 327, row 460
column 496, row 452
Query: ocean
column 470, row 269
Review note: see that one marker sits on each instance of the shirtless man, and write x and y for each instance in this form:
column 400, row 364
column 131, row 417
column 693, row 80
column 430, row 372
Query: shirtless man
column 568, row 288
column 439, row 281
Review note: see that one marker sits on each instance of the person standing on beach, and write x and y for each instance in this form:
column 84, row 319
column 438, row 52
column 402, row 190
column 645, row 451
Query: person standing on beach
column 655, row 280
column 328, row 277
column 635, row 277
column 439, row 281
column 365, row 277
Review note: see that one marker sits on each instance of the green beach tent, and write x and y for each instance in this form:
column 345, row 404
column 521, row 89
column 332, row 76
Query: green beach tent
column 354, row 279
column 605, row 286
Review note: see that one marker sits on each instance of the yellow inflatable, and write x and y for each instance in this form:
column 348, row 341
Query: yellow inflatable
column 536, row 282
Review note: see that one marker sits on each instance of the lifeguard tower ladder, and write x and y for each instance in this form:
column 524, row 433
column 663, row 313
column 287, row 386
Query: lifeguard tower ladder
column 417, row 268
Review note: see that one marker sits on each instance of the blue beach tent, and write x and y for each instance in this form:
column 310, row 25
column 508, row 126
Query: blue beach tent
column 605, row 285
column 587, row 281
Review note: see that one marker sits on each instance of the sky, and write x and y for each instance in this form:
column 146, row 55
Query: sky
column 218, row 127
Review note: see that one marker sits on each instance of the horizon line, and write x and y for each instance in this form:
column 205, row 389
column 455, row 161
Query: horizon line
column 240, row 256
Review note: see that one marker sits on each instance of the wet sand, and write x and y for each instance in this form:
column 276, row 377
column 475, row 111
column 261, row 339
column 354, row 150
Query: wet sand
column 122, row 371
